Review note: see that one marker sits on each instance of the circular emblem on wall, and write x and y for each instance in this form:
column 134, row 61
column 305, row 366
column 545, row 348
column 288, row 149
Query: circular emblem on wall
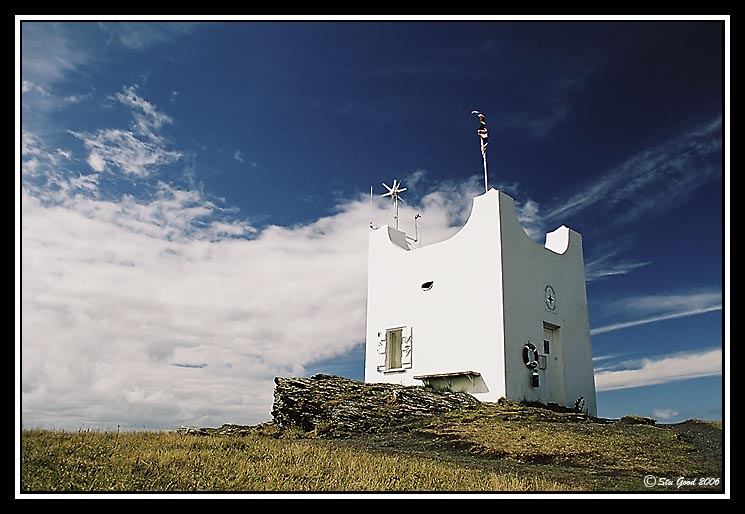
column 550, row 296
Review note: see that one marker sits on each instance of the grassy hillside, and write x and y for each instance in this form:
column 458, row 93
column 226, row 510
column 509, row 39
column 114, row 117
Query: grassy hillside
column 89, row 461
column 492, row 447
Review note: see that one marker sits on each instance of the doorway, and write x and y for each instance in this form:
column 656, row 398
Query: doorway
column 552, row 349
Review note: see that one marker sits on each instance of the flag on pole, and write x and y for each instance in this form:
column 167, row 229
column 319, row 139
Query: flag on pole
column 483, row 133
column 484, row 138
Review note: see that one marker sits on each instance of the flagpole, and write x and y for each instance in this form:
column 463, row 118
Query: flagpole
column 486, row 177
column 395, row 202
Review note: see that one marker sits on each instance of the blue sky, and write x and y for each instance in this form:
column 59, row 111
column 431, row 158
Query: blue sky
column 194, row 210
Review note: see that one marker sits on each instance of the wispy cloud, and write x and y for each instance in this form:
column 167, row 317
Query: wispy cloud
column 137, row 151
column 661, row 370
column 40, row 98
column 29, row 86
column 601, row 358
column 237, row 156
column 595, row 270
column 46, row 170
column 552, row 106
column 665, row 414
column 36, row 157
column 49, row 53
column 415, row 178
column 653, row 319
column 606, row 261
column 647, row 184
column 147, row 118
column 668, row 303
column 528, row 213
column 655, row 179
column 143, row 35
column 123, row 150
column 53, row 50
column 654, row 308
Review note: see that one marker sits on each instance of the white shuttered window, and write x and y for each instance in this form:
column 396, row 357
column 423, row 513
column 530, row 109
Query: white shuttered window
column 395, row 348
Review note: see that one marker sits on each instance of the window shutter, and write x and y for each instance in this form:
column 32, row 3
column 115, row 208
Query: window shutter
column 406, row 347
column 381, row 351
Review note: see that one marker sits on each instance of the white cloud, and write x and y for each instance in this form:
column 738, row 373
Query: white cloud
column 605, row 261
column 600, row 358
column 528, row 214
column 652, row 180
column 142, row 35
column 662, row 317
column 96, row 162
column 655, row 308
column 121, row 148
column 415, row 178
column 38, row 99
column 75, row 99
column 670, row 303
column 53, row 50
column 661, row 370
column 664, row 414
column 237, row 156
column 48, row 51
column 29, row 86
column 171, row 215
column 138, row 151
column 147, row 118
column 596, row 270
column 30, row 145
column 155, row 314
column 166, row 312
column 36, row 157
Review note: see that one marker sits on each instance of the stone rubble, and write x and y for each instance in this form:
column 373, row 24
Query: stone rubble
column 332, row 406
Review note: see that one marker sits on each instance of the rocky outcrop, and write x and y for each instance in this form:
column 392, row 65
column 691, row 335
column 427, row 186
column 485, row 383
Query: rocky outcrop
column 333, row 406
column 636, row 420
column 227, row 429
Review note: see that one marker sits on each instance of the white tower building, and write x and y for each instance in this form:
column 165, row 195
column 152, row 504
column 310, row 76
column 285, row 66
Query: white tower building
column 488, row 311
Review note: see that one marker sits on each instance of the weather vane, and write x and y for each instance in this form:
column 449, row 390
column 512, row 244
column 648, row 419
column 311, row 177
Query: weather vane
column 484, row 138
column 394, row 192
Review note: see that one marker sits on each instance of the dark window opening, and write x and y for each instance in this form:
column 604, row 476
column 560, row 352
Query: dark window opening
column 428, row 285
column 546, row 346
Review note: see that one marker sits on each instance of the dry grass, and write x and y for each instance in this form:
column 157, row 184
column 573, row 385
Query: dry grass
column 609, row 455
column 490, row 447
column 162, row 461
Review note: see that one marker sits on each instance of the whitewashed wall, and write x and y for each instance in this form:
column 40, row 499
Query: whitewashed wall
column 463, row 324
column 527, row 268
